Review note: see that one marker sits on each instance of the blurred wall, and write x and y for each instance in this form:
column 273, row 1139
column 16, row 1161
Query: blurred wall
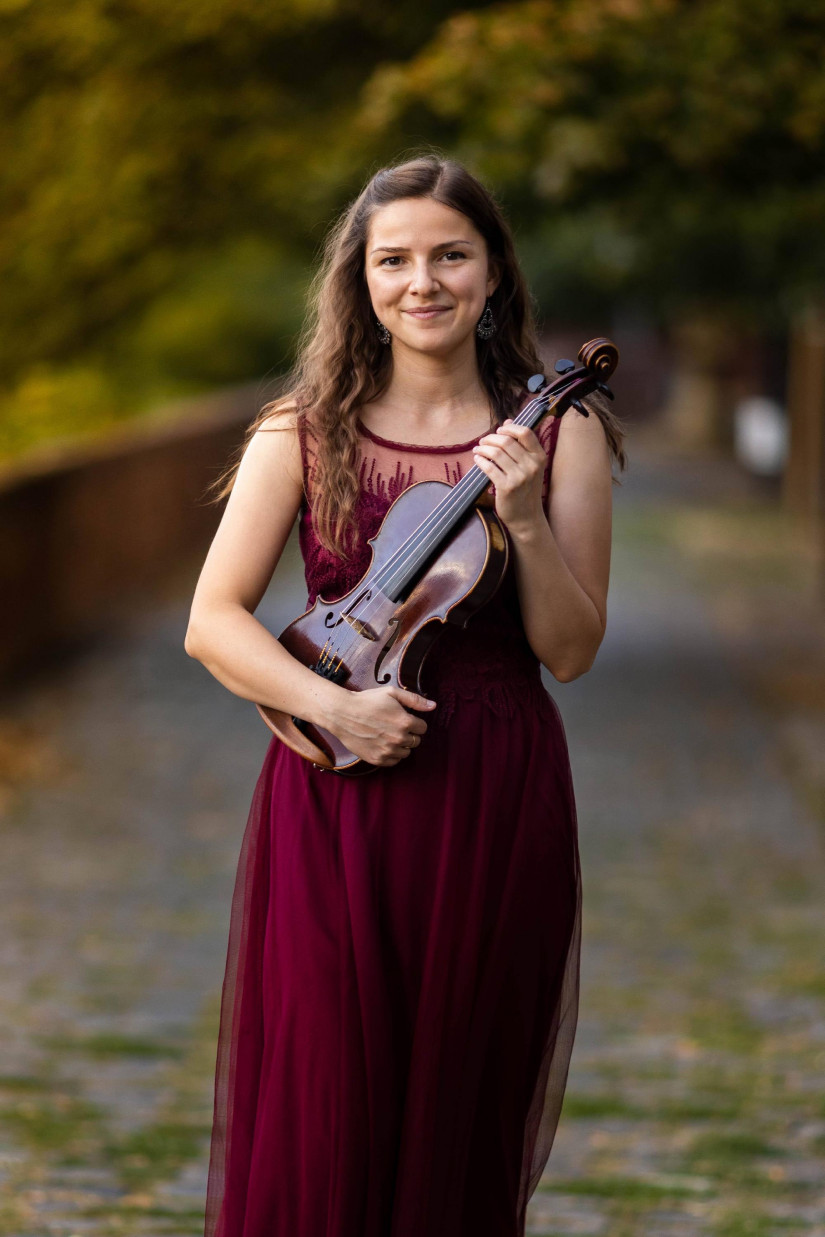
column 87, row 532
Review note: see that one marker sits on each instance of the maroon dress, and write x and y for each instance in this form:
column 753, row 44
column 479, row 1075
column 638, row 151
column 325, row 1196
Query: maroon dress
column 402, row 980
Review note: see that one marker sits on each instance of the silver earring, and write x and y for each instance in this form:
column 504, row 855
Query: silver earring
column 383, row 334
column 486, row 324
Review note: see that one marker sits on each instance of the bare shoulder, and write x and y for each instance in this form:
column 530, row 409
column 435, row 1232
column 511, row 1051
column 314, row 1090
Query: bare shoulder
column 582, row 434
column 275, row 446
column 260, row 512
column 581, row 449
column 281, row 415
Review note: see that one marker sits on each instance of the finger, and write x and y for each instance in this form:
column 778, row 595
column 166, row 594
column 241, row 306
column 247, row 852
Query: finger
column 496, row 447
column 514, row 468
column 417, row 726
column 394, row 752
column 506, row 443
column 524, row 444
column 508, row 475
column 406, row 745
column 496, row 459
column 410, row 700
column 523, row 435
column 491, row 469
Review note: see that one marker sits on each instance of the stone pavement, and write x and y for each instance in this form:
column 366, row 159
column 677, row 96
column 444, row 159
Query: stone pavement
column 696, row 1098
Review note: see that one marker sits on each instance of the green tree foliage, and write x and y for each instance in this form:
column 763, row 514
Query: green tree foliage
column 171, row 168
column 169, row 173
column 142, row 136
column 675, row 148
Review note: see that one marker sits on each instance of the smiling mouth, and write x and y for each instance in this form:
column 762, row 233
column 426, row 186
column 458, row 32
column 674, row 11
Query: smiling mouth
column 432, row 311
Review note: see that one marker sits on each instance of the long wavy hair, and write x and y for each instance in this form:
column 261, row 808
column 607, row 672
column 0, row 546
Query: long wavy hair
column 341, row 363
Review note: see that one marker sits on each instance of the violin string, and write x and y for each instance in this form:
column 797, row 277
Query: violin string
column 419, row 535
column 439, row 518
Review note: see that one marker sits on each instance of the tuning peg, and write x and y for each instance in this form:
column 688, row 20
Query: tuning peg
column 605, row 390
column 564, row 366
column 574, row 403
column 536, row 383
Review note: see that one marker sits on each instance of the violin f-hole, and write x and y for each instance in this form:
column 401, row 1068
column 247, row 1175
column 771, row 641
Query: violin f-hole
column 393, row 623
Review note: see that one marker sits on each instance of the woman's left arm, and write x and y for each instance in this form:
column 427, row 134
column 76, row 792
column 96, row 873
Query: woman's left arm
column 562, row 556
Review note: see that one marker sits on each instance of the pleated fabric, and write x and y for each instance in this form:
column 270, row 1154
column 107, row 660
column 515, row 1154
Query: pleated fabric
column 402, row 980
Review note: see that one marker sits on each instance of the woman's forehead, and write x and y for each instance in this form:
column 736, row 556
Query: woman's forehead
column 410, row 223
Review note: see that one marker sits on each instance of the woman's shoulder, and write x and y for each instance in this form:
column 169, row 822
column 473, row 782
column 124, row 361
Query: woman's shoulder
column 285, row 416
column 581, row 458
column 280, row 414
column 275, row 438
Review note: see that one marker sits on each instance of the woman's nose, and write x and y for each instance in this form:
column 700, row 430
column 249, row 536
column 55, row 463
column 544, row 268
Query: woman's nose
column 423, row 280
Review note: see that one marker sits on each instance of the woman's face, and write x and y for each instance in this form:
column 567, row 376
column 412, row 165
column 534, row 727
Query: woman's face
column 428, row 273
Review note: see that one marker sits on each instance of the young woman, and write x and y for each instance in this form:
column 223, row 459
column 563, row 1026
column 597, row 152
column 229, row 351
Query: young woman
column 401, row 989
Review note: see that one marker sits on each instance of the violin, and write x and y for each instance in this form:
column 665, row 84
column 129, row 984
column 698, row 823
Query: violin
column 439, row 556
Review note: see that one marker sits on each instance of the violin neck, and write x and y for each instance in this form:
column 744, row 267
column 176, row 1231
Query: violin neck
column 431, row 534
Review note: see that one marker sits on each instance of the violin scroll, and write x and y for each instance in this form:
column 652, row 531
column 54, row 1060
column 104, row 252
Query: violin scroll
column 600, row 356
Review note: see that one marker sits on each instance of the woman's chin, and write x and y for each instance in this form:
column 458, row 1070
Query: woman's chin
column 434, row 342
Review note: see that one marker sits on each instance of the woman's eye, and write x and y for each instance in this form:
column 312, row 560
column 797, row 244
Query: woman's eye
column 395, row 259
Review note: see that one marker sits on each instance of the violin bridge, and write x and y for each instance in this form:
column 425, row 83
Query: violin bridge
column 361, row 627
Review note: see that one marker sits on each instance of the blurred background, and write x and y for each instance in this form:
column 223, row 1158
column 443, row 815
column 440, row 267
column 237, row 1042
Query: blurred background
column 170, row 173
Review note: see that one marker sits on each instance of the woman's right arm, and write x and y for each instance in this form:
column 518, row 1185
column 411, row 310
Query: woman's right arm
column 238, row 650
column 223, row 633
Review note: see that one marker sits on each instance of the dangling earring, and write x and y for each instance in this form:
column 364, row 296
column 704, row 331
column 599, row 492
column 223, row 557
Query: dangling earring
column 486, row 323
column 383, row 334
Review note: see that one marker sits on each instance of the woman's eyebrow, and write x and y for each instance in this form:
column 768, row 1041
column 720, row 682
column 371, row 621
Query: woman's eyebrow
column 405, row 248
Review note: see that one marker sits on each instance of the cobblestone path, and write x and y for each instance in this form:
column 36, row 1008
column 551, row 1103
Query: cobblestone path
column 696, row 1099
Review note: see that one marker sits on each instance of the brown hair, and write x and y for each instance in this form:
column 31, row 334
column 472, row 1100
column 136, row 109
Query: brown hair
column 342, row 364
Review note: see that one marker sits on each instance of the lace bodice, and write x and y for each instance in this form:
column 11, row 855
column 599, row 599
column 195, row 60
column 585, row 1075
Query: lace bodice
column 490, row 659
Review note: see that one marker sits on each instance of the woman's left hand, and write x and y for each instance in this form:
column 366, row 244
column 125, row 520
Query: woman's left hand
column 514, row 460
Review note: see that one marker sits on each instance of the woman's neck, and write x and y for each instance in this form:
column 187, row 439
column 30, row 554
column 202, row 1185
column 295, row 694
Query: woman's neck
column 430, row 396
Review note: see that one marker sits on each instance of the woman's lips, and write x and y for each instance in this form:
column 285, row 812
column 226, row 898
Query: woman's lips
column 431, row 312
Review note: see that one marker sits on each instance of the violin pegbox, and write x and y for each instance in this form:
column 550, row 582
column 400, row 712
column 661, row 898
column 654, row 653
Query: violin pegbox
column 597, row 360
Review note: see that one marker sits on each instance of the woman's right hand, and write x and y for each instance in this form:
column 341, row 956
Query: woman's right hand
column 376, row 724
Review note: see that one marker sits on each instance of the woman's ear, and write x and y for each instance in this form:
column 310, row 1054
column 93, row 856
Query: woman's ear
column 493, row 276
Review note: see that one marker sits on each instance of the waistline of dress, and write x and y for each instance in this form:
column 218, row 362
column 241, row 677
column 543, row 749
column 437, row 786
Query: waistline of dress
column 504, row 697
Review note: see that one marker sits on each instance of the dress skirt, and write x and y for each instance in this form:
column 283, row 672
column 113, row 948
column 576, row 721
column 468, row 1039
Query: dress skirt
column 401, row 988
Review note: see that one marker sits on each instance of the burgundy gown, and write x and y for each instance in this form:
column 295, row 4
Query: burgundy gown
column 402, row 979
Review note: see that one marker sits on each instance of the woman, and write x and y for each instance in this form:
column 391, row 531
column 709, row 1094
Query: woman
column 401, row 988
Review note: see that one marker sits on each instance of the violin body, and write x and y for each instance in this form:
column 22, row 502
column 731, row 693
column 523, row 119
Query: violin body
column 366, row 639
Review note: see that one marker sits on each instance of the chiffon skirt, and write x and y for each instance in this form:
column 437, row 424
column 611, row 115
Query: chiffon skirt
column 401, row 988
